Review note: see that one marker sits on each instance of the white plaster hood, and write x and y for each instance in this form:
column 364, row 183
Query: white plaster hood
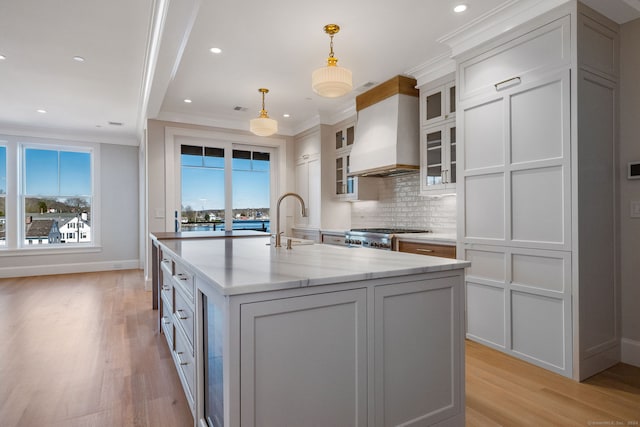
column 387, row 137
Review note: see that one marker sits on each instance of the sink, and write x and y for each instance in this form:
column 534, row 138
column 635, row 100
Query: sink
column 295, row 241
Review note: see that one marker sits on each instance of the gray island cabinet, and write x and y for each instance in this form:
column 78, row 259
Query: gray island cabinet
column 317, row 335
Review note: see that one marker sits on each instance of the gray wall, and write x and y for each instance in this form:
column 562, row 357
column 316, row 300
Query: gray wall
column 630, row 189
column 119, row 218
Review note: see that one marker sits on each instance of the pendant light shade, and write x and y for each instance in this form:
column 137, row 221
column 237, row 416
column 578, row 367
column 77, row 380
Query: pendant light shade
column 263, row 125
column 332, row 81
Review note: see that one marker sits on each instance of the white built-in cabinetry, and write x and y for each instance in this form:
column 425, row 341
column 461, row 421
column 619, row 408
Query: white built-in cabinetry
column 315, row 181
column 350, row 188
column 177, row 320
column 438, row 137
column 372, row 354
column 536, row 191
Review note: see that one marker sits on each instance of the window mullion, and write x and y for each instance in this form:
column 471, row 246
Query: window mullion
column 228, row 186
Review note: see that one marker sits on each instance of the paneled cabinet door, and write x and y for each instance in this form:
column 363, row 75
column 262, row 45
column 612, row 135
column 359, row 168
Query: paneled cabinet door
column 438, row 147
column 305, row 358
column 410, row 391
column 308, row 186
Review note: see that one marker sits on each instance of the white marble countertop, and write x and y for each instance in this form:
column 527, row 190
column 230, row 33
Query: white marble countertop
column 237, row 266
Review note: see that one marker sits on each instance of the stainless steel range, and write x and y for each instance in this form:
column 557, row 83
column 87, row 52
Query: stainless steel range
column 377, row 238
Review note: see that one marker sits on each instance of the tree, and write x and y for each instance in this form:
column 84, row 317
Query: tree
column 42, row 206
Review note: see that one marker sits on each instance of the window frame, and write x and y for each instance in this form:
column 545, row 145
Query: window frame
column 228, row 148
column 14, row 199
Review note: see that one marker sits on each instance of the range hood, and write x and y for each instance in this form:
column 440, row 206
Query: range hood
column 387, row 134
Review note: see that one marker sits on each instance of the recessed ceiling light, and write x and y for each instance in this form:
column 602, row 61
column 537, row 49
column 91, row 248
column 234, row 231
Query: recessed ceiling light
column 459, row 8
column 78, row 58
column 286, row 115
column 41, row 111
column 215, row 50
column 187, row 101
column 2, row 57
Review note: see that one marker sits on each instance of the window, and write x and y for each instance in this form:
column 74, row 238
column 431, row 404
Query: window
column 46, row 191
column 3, row 194
column 205, row 181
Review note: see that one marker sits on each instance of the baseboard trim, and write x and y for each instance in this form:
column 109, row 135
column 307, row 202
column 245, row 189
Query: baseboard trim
column 631, row 352
column 69, row 268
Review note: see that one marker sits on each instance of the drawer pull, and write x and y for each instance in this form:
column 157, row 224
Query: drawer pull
column 165, row 320
column 424, row 250
column 180, row 361
column 183, row 277
column 166, row 288
column 507, row 83
column 181, row 315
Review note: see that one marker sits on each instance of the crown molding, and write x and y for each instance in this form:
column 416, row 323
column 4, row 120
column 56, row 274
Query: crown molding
column 496, row 22
column 218, row 122
column 71, row 135
column 333, row 117
column 433, row 69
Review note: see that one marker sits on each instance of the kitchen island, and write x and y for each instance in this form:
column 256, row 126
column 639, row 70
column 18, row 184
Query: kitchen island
column 313, row 335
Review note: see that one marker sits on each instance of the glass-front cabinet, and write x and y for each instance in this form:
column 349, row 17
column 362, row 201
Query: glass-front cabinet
column 438, row 136
column 438, row 149
column 438, row 103
column 344, row 142
column 350, row 188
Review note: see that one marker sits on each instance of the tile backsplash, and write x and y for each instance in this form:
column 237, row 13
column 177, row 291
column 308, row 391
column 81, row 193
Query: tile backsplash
column 401, row 205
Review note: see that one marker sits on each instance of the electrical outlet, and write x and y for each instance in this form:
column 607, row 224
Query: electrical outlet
column 635, row 208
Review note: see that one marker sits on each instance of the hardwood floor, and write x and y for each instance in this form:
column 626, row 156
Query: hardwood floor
column 83, row 350
column 504, row 391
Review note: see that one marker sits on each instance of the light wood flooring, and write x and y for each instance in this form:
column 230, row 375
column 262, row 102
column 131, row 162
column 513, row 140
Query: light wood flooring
column 84, row 350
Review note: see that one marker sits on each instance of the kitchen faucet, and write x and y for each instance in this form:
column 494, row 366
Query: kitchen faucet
column 304, row 214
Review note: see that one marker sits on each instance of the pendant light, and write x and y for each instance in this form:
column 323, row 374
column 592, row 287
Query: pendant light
column 331, row 81
column 263, row 125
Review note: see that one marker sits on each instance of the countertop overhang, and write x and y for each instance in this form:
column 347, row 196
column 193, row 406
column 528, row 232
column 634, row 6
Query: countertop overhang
column 236, row 266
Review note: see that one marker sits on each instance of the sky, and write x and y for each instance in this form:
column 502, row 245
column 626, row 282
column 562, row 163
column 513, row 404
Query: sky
column 203, row 186
column 51, row 173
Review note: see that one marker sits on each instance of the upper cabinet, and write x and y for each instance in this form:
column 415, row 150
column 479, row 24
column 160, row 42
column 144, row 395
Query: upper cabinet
column 437, row 103
column 350, row 188
column 438, row 137
column 345, row 136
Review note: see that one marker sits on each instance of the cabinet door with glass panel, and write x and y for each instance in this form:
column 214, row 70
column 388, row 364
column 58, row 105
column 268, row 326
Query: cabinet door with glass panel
column 438, row 151
column 344, row 142
column 438, row 104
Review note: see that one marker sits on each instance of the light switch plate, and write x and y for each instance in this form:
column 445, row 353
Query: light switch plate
column 635, row 208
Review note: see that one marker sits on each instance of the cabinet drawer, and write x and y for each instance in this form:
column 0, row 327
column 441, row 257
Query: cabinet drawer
column 518, row 61
column 332, row 240
column 444, row 251
column 183, row 355
column 166, row 290
column 184, row 315
column 185, row 279
column 167, row 324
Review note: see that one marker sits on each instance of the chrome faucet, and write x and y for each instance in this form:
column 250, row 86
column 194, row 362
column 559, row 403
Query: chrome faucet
column 304, row 214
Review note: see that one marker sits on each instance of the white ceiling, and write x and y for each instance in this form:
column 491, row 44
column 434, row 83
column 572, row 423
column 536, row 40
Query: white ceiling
column 277, row 44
